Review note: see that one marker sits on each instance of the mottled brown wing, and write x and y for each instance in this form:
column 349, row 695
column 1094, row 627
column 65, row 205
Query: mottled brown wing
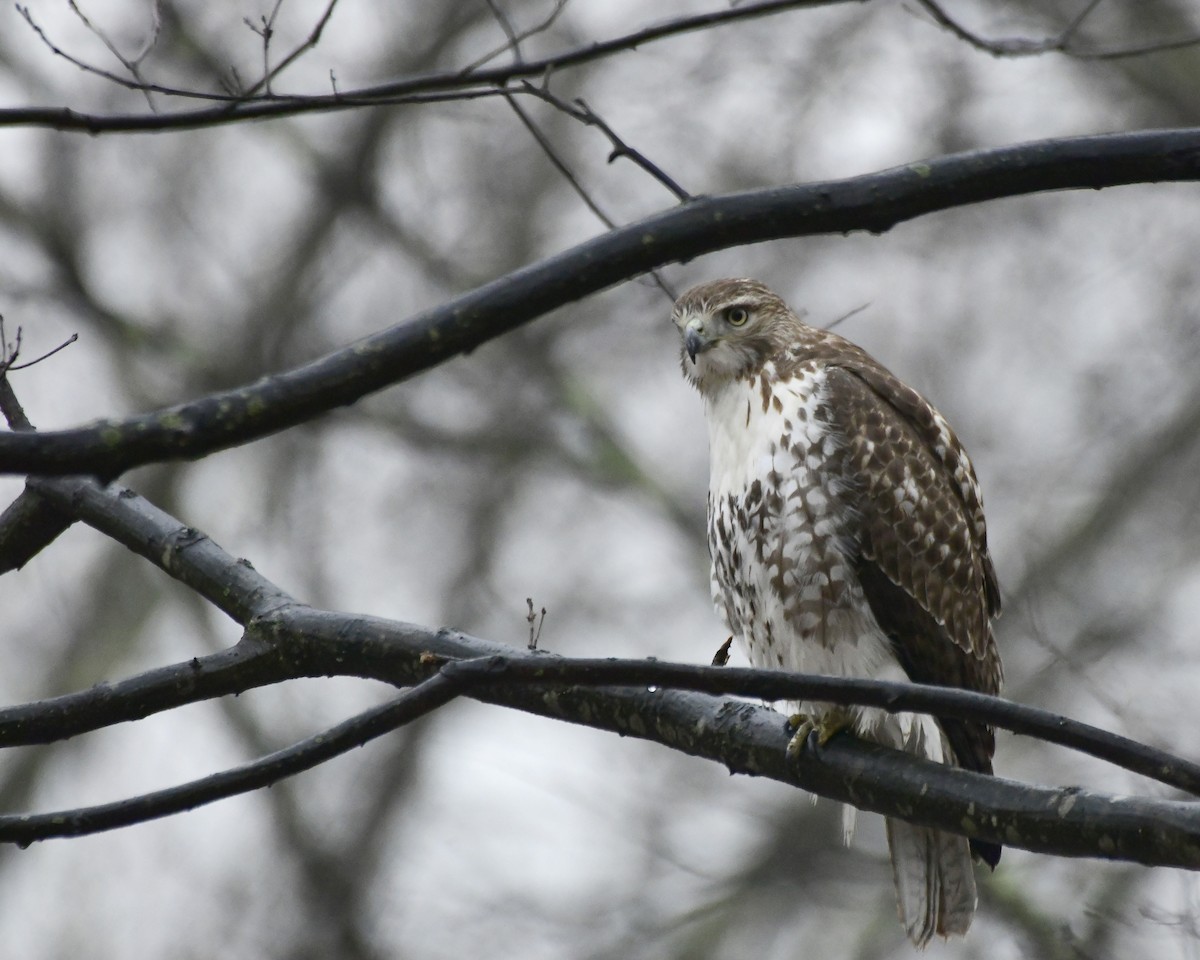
column 922, row 556
column 922, row 515
column 916, row 533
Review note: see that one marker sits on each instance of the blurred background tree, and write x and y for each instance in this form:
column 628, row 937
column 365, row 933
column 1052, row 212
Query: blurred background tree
column 567, row 462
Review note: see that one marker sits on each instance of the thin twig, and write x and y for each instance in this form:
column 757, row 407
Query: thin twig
column 579, row 110
column 535, row 624
column 846, row 316
column 567, row 174
column 558, row 162
column 133, row 65
column 266, row 33
column 514, row 39
column 239, row 106
column 10, row 406
column 1061, row 43
column 8, row 351
column 75, row 61
column 309, row 43
column 49, row 353
column 1077, row 22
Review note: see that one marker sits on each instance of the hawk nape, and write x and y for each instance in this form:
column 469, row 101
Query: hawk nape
column 846, row 531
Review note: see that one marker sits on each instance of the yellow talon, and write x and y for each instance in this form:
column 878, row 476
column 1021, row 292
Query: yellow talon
column 827, row 726
column 804, row 726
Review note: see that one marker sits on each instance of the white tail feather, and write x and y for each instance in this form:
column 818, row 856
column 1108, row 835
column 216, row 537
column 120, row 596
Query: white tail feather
column 935, row 881
column 849, row 820
column 934, row 871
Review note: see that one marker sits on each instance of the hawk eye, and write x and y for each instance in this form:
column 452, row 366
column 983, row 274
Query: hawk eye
column 736, row 316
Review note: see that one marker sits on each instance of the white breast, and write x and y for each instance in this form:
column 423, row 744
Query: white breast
column 782, row 579
column 744, row 439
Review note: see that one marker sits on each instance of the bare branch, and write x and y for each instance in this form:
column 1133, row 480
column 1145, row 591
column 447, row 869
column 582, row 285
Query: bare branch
column 185, row 553
column 745, row 737
column 29, row 524
column 580, row 111
column 266, row 33
column 1063, row 43
column 456, row 84
column 535, row 624
column 514, row 40
column 874, row 202
column 131, row 64
column 286, row 640
column 411, row 705
column 558, row 162
column 49, row 353
column 560, row 165
column 314, row 38
column 517, row 38
column 10, row 406
column 774, row 685
column 838, row 321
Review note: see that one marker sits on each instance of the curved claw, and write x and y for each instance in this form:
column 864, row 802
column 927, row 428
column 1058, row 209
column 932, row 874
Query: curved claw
column 822, row 729
column 804, row 726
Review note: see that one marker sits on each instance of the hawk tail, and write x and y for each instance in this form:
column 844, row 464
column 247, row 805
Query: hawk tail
column 935, row 880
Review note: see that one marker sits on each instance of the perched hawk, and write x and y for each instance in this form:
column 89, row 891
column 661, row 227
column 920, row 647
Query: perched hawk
column 847, row 537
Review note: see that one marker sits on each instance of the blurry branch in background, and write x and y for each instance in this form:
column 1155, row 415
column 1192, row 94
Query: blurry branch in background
column 1125, row 489
column 874, row 202
column 1066, row 42
column 132, row 64
column 414, row 703
column 267, row 30
column 285, row 639
column 1134, row 478
column 10, row 406
column 461, row 83
column 29, row 524
column 259, row 100
column 515, row 37
column 561, row 166
column 579, row 110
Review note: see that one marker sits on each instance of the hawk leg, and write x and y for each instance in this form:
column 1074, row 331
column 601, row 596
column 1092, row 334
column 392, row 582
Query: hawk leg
column 821, row 729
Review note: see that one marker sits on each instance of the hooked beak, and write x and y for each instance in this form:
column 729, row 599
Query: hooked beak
column 694, row 339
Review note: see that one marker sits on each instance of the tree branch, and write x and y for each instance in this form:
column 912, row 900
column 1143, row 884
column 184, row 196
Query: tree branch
column 581, row 112
column 773, row 685
column 183, row 552
column 29, row 524
column 746, row 738
column 285, row 640
column 314, row 37
column 233, row 108
column 426, row 696
column 1064, row 42
column 874, row 202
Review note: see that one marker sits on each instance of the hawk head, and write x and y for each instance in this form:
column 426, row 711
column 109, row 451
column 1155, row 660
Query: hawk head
column 730, row 329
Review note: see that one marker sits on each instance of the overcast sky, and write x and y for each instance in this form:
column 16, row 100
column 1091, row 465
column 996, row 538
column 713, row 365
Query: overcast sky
column 566, row 462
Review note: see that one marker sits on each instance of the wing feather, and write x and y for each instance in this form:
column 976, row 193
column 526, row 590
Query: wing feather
column 922, row 557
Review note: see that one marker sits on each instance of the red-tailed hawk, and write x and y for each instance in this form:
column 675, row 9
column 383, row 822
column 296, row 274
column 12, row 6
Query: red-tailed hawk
column 847, row 537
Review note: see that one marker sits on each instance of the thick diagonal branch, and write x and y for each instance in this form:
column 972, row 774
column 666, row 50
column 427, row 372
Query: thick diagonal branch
column 875, row 202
